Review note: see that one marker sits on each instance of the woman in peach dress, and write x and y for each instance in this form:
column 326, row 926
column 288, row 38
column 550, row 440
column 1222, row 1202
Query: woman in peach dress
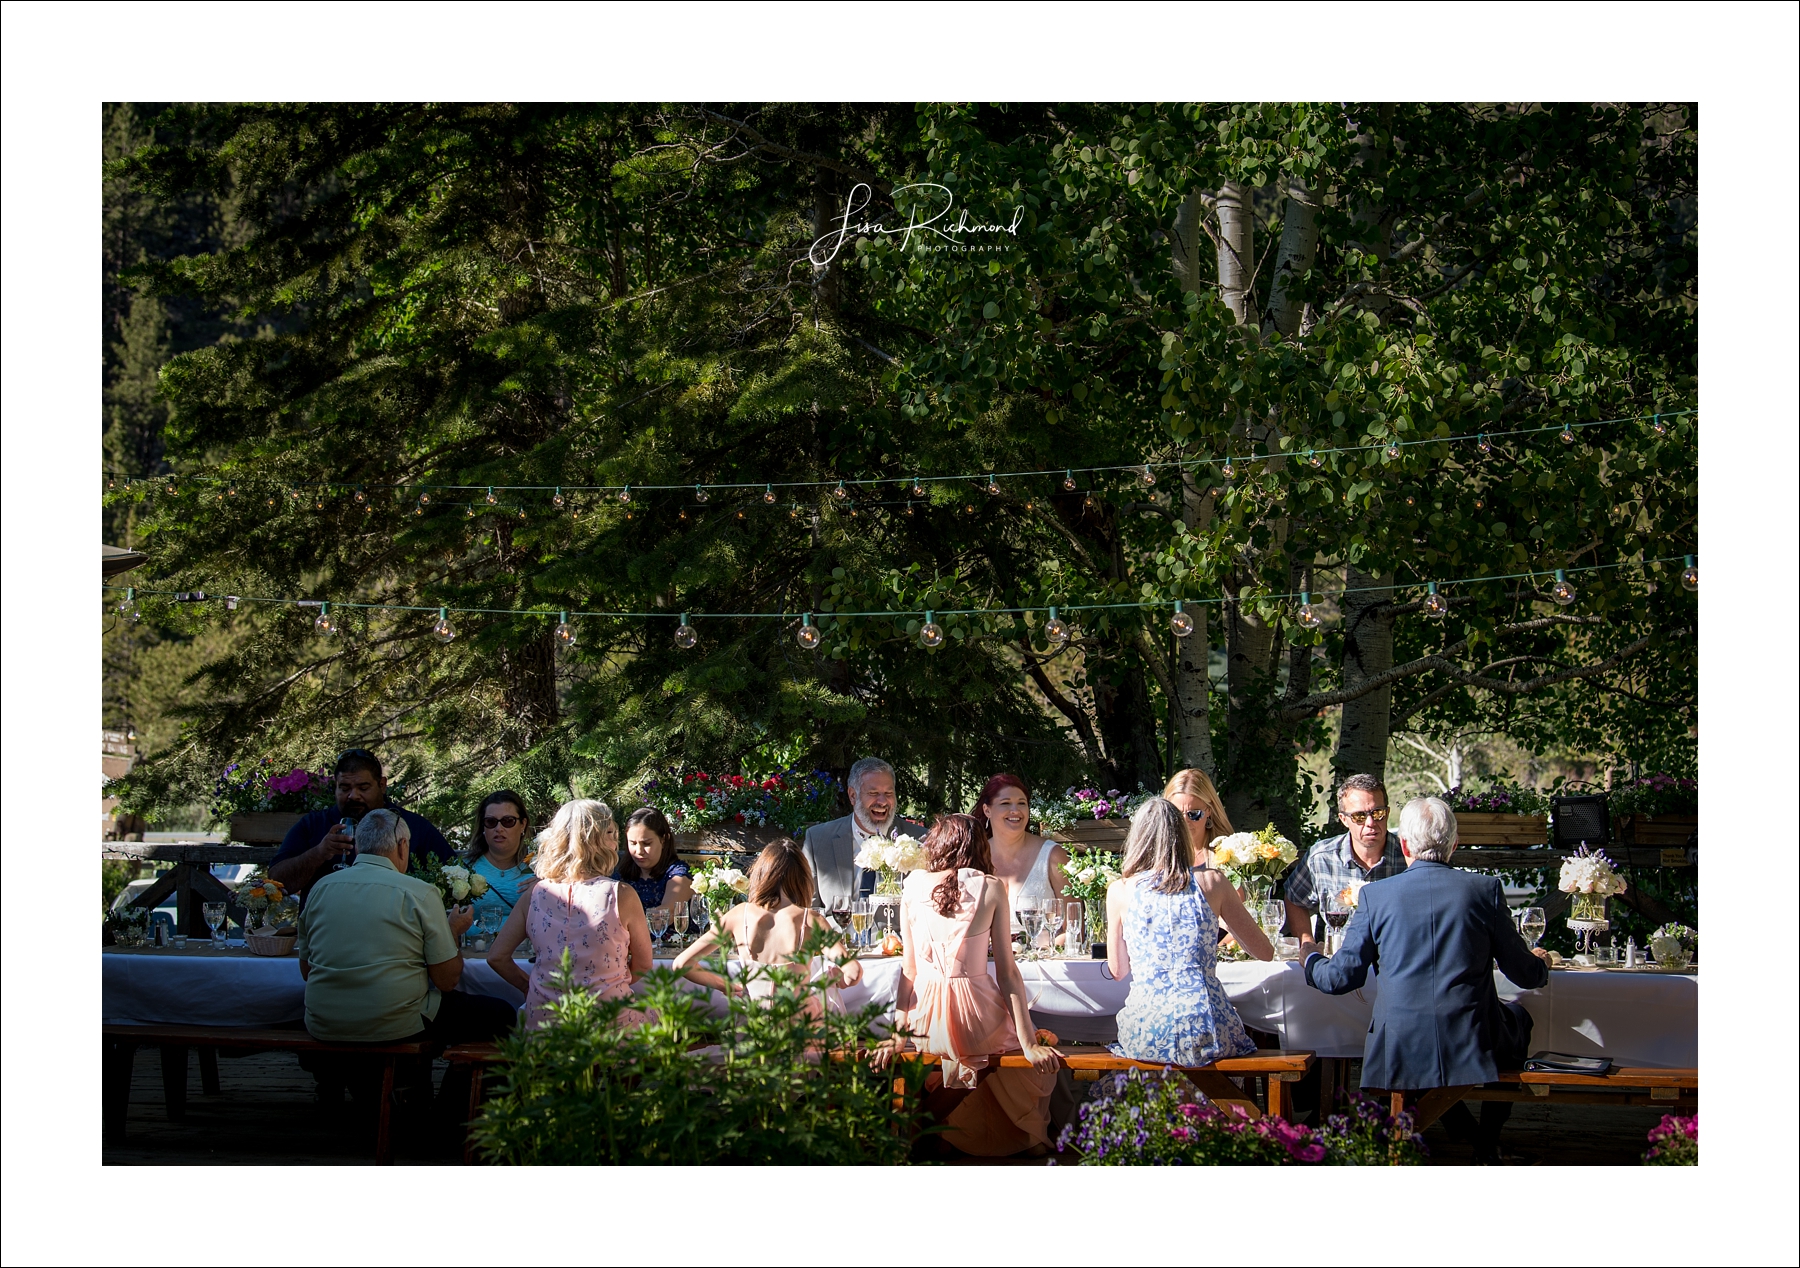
column 953, row 913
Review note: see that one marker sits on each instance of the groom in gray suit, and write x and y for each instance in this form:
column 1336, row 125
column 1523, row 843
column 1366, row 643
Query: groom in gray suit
column 831, row 847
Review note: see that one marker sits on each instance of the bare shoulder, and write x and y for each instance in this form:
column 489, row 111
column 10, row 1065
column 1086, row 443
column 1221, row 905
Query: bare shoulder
column 629, row 902
column 1058, row 855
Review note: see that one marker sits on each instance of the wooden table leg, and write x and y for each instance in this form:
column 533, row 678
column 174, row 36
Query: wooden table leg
column 174, row 1080
column 1278, row 1097
column 209, row 1071
column 115, row 1096
column 384, row 1121
column 476, row 1072
column 1329, row 1070
column 1220, row 1090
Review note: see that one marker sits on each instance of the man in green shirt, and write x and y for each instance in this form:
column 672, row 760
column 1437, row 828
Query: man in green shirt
column 379, row 954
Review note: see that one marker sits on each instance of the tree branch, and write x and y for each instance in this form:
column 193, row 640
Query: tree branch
column 1068, row 708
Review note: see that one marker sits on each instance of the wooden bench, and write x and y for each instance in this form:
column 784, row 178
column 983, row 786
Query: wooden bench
column 1625, row 1085
column 122, row 1043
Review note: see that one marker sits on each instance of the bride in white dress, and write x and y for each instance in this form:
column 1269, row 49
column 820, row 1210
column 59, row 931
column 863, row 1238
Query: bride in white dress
column 1030, row 865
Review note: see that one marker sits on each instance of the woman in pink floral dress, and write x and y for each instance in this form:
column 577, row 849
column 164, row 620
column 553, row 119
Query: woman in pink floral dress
column 576, row 906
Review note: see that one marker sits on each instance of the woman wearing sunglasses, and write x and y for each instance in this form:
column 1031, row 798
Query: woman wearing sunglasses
column 501, row 830
column 1201, row 810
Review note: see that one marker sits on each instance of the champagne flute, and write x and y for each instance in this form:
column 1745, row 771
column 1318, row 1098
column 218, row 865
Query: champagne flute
column 680, row 918
column 215, row 917
column 658, row 917
column 1531, row 924
column 1050, row 924
column 1270, row 914
column 860, row 918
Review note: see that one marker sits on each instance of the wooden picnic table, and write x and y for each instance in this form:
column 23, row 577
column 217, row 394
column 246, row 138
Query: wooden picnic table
column 191, row 880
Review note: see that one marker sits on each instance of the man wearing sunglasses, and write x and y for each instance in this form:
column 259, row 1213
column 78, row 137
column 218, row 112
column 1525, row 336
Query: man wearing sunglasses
column 320, row 843
column 1367, row 852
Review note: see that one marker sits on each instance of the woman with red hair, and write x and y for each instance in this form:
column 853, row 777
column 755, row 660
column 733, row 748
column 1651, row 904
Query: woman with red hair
column 1030, row 865
column 952, row 914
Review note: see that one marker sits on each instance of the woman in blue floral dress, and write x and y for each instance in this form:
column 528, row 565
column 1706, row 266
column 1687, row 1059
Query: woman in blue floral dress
column 1163, row 934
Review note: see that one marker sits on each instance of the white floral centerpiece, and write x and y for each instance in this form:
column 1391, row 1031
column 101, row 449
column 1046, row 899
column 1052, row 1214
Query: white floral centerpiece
column 454, row 883
column 719, row 884
column 1674, row 945
column 1255, row 860
column 890, row 858
column 1589, row 880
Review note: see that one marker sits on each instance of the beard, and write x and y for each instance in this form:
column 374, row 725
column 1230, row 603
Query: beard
column 866, row 825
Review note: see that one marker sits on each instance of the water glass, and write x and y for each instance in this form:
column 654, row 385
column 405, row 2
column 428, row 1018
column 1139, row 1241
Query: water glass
column 659, row 925
column 215, row 921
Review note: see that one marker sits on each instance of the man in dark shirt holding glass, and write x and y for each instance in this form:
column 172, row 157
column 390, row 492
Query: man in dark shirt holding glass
column 321, row 843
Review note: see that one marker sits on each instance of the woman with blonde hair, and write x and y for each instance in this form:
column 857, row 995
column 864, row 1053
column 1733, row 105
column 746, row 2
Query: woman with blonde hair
column 1193, row 794
column 1163, row 917
column 771, row 928
column 577, row 906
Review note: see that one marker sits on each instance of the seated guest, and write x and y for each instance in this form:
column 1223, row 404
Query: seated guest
column 1031, row 866
column 320, row 844
column 953, row 913
column 497, row 856
column 1194, row 795
column 649, row 864
column 1435, row 935
column 1366, row 852
column 1163, row 917
column 831, row 847
column 378, row 953
column 771, row 928
column 576, row 905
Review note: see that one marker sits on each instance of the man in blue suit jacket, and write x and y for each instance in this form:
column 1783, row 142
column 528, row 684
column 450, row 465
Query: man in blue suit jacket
column 1433, row 934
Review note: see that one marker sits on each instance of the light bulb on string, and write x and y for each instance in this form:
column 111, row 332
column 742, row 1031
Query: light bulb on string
column 1393, row 450
column 1147, row 476
column 521, row 512
column 1308, row 616
column 443, row 631
column 931, row 633
column 1229, row 469
column 1181, row 624
column 1435, row 603
column 701, row 495
column 840, row 493
column 469, row 513
column 918, row 489
column 360, row 496
column 1690, row 574
column 1069, row 481
column 1568, row 435
column 969, row 508
column 565, row 633
column 1313, row 459
column 424, row 499
column 769, row 495
column 1087, row 503
column 231, row 492
column 740, row 516
column 128, row 607
column 1658, row 426
column 685, row 635
column 808, row 635
column 491, row 499
column 625, row 494
column 323, row 622
column 556, row 498
column 112, row 483
column 1056, row 631
column 1482, row 443
column 993, row 487
column 909, row 508
column 682, row 516
column 1561, row 590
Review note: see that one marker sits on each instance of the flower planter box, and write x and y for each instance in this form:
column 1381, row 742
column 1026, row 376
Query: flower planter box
column 1474, row 828
column 1106, row 833
column 724, row 839
column 262, row 829
column 1658, row 830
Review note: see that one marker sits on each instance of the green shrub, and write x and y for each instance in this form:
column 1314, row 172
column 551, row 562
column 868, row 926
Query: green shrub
column 580, row 1090
column 115, row 875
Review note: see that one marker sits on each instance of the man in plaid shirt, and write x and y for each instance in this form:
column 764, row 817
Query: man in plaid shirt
column 1367, row 852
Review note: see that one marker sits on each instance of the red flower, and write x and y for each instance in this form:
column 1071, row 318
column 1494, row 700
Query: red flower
column 699, row 803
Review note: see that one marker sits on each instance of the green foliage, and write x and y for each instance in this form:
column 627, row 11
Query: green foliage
column 115, row 875
column 1674, row 1142
column 581, row 1091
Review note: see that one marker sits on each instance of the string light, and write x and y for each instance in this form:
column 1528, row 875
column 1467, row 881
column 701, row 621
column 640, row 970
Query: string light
column 1181, row 624
column 840, row 493
column 993, row 487
column 491, row 499
column 323, row 622
column 1087, row 503
column 424, row 499
column 769, row 495
column 685, row 635
column 1567, row 436
column 625, row 494
column 918, row 489
column 556, row 499
column 1658, row 426
column 129, row 606
column 1435, row 603
column 931, row 633
column 808, row 635
column 565, row 633
column 1690, row 574
column 1229, row 469
column 1314, row 460
column 469, row 513
column 1561, row 590
column 740, row 516
column 443, row 631
column 1482, row 443
column 521, row 512
column 1056, row 631
column 1069, row 481
column 701, row 495
column 1148, row 476
column 969, row 508
column 909, row 508
column 360, row 496
column 1308, row 616
column 1393, row 450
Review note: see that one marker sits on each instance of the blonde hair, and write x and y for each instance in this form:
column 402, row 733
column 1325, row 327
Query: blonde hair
column 1158, row 844
column 574, row 846
column 1194, row 782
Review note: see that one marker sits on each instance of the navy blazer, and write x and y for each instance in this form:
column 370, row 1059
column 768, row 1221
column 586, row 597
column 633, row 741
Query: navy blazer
column 1433, row 934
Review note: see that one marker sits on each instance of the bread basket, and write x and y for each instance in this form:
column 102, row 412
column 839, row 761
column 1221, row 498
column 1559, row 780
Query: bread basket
column 262, row 942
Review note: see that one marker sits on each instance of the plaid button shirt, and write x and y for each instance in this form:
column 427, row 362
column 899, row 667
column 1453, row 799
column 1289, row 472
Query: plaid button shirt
column 1332, row 864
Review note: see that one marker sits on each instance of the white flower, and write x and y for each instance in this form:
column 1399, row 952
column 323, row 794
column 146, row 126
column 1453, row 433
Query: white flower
column 703, row 883
column 478, row 885
column 1087, row 874
column 1234, row 850
column 459, row 889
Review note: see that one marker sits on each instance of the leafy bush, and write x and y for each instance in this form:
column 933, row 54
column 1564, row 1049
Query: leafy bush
column 264, row 788
column 115, row 875
column 1658, row 794
column 789, row 799
column 1674, row 1142
column 687, row 1088
column 1157, row 1118
column 1500, row 799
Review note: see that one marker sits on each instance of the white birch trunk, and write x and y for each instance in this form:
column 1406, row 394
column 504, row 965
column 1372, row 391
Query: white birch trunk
column 1237, row 251
column 1299, row 244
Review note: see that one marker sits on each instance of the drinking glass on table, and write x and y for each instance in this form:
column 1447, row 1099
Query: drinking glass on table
column 1531, row 924
column 861, row 916
column 1337, row 914
column 679, row 915
column 1270, row 914
column 658, row 917
column 840, row 912
column 1050, row 924
column 215, row 920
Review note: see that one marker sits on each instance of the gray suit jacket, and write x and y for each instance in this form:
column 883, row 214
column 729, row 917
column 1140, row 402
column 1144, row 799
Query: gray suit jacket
column 832, row 856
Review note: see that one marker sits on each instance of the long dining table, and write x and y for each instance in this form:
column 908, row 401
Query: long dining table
column 1636, row 1017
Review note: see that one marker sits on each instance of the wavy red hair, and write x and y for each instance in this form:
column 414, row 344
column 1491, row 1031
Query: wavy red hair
column 955, row 842
column 992, row 789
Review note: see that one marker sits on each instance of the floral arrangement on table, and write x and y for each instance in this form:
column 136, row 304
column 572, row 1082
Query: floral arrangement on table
column 265, row 899
column 130, row 924
column 261, row 789
column 1589, row 872
column 1674, row 1142
column 1140, row 1117
column 1255, row 859
column 454, row 883
column 1658, row 794
column 1088, row 874
column 789, row 799
column 890, row 858
column 1501, row 799
column 1083, row 805
column 719, row 884
column 1674, row 944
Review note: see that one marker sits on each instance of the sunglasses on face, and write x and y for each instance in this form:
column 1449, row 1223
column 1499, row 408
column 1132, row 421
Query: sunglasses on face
column 1360, row 817
column 504, row 821
column 1196, row 815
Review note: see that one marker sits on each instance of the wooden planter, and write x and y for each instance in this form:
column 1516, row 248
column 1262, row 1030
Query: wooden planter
column 1107, row 833
column 724, row 839
column 262, row 829
column 1500, row 829
column 1657, row 830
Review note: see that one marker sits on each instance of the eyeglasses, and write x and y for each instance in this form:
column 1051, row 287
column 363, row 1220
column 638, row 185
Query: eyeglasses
column 1360, row 817
column 1196, row 815
column 504, row 821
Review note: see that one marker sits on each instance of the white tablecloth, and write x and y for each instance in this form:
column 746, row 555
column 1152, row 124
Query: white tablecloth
column 1647, row 1019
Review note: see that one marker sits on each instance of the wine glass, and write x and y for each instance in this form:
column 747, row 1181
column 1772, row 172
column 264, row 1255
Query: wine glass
column 861, row 916
column 679, row 916
column 1531, row 924
column 1337, row 914
column 215, row 919
column 1050, row 924
column 1270, row 914
column 659, row 924
column 840, row 911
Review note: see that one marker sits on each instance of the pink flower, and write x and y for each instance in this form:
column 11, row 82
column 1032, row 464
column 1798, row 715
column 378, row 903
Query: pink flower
column 1181, row 1133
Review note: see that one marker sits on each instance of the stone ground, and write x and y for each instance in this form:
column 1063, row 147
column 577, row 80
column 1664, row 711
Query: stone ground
column 267, row 1112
